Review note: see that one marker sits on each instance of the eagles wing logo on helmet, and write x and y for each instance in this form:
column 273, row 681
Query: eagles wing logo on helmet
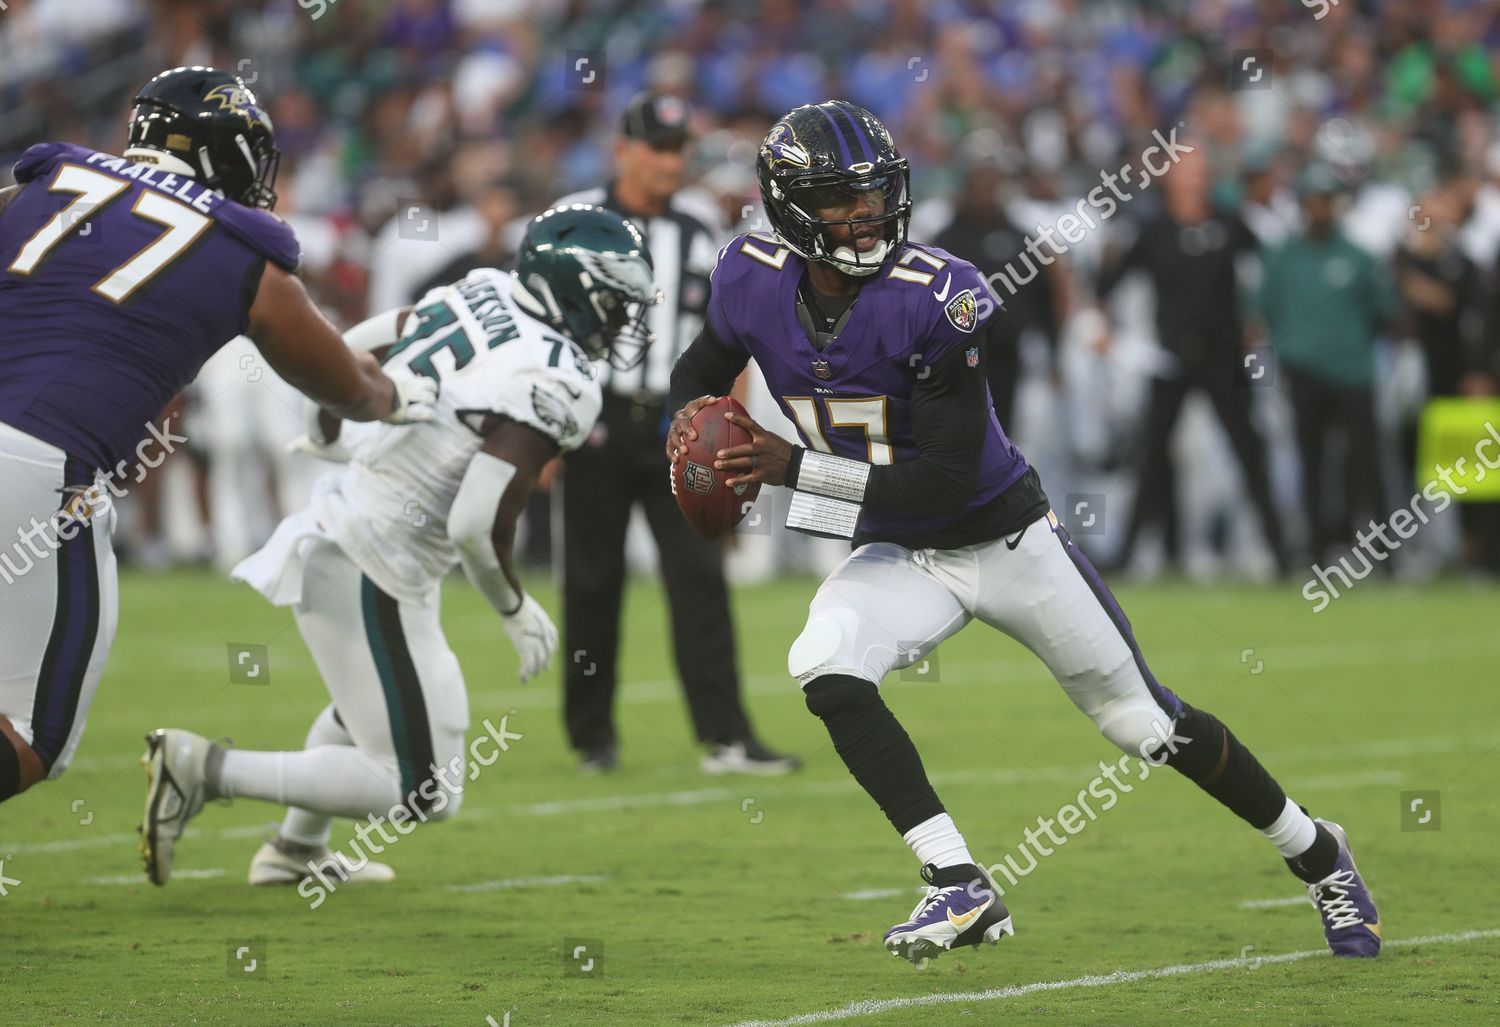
column 622, row 271
column 237, row 100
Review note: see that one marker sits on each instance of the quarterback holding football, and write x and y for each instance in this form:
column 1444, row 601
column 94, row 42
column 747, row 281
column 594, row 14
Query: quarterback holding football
column 874, row 347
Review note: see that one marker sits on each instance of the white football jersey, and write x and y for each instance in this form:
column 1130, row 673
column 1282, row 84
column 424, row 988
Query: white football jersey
column 388, row 509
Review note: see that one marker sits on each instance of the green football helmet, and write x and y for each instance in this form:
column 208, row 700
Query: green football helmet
column 586, row 271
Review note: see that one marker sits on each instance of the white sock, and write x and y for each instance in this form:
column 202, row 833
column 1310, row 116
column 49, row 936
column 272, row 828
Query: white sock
column 938, row 842
column 1293, row 832
column 335, row 780
column 303, row 826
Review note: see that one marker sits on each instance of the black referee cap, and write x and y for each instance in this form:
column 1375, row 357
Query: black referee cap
column 659, row 120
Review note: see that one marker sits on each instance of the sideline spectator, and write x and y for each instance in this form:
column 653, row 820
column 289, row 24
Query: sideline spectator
column 1324, row 302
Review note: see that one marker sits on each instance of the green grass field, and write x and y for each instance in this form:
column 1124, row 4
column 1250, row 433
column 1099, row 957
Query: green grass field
column 718, row 901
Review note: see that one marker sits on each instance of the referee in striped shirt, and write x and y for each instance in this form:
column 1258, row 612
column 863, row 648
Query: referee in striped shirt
column 621, row 466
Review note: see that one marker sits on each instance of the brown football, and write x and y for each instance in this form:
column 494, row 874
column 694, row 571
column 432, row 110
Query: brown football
column 712, row 509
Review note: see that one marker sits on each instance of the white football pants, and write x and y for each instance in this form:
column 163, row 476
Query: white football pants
column 887, row 607
column 59, row 595
column 394, row 734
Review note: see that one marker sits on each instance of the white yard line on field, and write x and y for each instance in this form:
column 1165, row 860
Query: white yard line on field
column 140, row 878
column 881, row 893
column 871, row 1007
column 104, row 841
column 1290, row 900
column 527, row 882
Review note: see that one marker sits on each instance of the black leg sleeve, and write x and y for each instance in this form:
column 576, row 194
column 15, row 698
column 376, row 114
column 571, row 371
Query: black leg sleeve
column 1219, row 763
column 875, row 748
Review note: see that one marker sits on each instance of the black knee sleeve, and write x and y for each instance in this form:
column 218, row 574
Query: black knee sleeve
column 1204, row 745
column 10, row 769
column 875, row 748
column 837, row 694
column 1216, row 761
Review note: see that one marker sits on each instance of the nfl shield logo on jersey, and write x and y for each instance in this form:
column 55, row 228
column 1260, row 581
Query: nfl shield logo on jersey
column 963, row 311
column 971, row 356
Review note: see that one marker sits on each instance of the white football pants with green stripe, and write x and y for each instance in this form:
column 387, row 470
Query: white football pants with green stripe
column 393, row 737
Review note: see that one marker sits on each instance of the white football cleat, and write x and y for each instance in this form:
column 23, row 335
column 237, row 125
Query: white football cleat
column 175, row 782
column 281, row 862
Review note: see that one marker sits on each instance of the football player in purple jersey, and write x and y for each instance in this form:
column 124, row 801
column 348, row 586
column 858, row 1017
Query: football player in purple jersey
column 119, row 276
column 874, row 346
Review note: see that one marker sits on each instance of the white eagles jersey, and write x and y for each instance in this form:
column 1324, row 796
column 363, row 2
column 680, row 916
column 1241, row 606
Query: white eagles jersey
column 388, row 510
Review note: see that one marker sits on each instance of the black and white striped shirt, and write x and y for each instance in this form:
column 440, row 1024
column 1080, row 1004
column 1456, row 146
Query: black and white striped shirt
column 683, row 251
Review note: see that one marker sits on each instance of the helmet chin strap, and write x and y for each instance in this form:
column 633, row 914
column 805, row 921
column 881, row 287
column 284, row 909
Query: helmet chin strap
column 160, row 159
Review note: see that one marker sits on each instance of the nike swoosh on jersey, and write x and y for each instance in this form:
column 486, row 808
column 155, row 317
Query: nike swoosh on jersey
column 968, row 918
column 940, row 296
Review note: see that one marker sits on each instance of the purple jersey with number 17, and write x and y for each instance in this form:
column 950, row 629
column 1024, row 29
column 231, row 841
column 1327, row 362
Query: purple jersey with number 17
column 117, row 281
column 854, row 397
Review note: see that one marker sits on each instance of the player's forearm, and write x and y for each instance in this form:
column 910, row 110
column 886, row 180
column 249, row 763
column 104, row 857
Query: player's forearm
column 375, row 336
column 489, row 566
column 706, row 368
column 374, row 398
column 483, row 531
column 305, row 349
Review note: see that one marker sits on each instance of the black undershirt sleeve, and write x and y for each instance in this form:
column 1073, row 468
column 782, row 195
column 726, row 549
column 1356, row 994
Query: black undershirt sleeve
column 706, row 368
column 949, row 414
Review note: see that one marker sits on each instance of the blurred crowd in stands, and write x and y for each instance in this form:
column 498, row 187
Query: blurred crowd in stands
column 1338, row 219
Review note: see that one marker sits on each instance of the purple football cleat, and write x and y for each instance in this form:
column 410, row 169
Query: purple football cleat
column 960, row 908
column 1350, row 922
